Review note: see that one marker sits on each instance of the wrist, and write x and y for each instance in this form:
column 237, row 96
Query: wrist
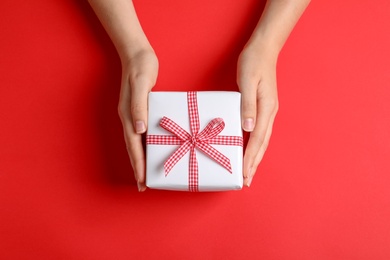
column 266, row 50
column 128, row 53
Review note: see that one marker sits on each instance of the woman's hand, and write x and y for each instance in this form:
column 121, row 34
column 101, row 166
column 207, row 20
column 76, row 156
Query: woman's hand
column 256, row 78
column 139, row 75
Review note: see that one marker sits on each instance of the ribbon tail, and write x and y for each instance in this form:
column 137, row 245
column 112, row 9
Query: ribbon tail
column 193, row 171
column 215, row 155
column 176, row 156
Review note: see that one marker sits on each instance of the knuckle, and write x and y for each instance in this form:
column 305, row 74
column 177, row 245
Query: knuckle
column 248, row 109
column 249, row 100
column 264, row 145
column 247, row 84
column 122, row 110
column 272, row 104
column 275, row 105
column 137, row 108
column 260, row 143
column 142, row 80
column 257, row 142
column 137, row 160
column 128, row 148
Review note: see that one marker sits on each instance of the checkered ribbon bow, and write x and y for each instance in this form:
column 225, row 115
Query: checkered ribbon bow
column 201, row 140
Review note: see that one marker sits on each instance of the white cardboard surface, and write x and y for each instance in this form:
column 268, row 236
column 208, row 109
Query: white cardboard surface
column 212, row 176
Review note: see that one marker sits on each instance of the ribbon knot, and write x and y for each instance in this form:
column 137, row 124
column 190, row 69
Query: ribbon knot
column 193, row 140
column 188, row 142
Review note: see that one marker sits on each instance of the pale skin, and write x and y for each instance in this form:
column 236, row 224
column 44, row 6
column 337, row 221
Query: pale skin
column 256, row 76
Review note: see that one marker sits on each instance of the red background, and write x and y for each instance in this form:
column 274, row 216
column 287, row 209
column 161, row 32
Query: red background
column 67, row 191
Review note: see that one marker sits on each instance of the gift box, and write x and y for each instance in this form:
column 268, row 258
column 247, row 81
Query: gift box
column 194, row 141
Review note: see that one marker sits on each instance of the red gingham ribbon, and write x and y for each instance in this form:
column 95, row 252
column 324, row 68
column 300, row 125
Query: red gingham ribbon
column 209, row 135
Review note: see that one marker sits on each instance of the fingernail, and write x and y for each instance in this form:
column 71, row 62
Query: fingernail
column 249, row 177
column 248, row 124
column 139, row 187
column 249, row 181
column 140, row 127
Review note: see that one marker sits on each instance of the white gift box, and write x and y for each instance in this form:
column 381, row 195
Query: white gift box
column 210, row 174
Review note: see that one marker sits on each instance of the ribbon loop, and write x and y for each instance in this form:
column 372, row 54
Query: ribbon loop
column 212, row 129
column 174, row 128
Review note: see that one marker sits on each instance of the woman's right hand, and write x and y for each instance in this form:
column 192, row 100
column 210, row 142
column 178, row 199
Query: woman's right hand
column 139, row 75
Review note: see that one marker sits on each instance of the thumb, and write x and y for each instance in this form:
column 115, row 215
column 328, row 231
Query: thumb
column 139, row 104
column 248, row 107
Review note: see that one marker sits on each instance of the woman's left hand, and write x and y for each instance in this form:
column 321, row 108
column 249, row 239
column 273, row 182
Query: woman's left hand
column 256, row 79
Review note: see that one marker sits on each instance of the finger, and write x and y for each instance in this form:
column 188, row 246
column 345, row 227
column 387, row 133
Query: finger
column 257, row 141
column 136, row 153
column 264, row 146
column 132, row 139
column 260, row 153
column 248, row 105
column 139, row 90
